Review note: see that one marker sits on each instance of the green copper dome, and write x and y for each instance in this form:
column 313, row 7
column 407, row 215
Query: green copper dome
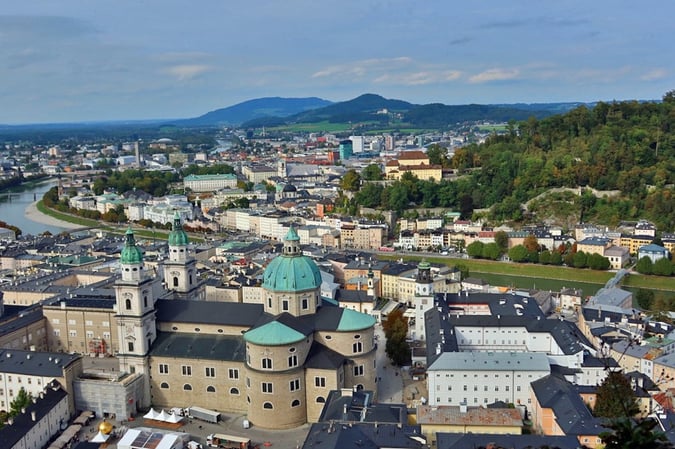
column 131, row 254
column 177, row 237
column 274, row 334
column 291, row 271
column 351, row 320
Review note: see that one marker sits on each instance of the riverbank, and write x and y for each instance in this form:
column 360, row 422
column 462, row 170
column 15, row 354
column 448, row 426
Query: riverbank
column 33, row 214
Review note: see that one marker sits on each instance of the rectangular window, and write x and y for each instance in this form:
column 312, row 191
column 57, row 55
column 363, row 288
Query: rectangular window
column 106, row 335
column 358, row 370
column 233, row 373
column 284, row 305
column 267, row 387
column 267, row 363
column 71, row 322
column 357, row 347
column 131, row 346
column 105, row 323
column 210, row 371
column 56, row 321
column 90, row 334
column 73, row 333
column 88, row 323
column 292, row 361
column 320, row 382
column 186, row 370
column 163, row 368
column 294, row 385
column 57, row 332
column 305, row 304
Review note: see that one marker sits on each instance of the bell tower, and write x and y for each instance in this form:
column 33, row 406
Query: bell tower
column 180, row 272
column 135, row 317
column 424, row 298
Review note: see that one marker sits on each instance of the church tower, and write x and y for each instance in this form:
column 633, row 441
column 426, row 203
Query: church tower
column 424, row 298
column 135, row 317
column 180, row 273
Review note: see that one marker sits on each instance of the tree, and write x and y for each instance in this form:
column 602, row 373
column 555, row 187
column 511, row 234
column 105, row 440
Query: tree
column 634, row 434
column 502, row 241
column 518, row 253
column 530, row 242
column 580, row 259
column 545, row 257
column 21, row 400
column 491, row 251
column 373, row 172
column 662, row 267
column 351, row 181
column 644, row 299
column 396, row 331
column 475, row 249
column 644, row 265
column 615, row 397
column 556, row 258
column 597, row 262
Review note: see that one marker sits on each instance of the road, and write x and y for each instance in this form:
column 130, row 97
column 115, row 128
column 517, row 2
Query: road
column 390, row 382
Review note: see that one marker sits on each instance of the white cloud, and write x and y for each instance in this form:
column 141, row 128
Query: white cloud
column 495, row 75
column 419, row 78
column 654, row 75
column 187, row 71
column 362, row 67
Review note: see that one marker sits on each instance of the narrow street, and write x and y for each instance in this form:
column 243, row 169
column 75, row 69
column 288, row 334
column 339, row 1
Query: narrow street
column 390, row 382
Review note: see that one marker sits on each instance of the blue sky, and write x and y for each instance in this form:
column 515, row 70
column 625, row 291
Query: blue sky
column 82, row 60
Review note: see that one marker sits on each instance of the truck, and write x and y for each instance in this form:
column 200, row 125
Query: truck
column 223, row 441
column 203, row 413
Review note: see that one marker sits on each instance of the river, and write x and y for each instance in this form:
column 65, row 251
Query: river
column 13, row 204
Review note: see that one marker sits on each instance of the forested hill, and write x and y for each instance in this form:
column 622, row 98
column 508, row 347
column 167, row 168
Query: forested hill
column 624, row 146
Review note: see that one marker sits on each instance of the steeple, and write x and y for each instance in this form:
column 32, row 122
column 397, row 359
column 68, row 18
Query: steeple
column 177, row 236
column 131, row 259
column 291, row 243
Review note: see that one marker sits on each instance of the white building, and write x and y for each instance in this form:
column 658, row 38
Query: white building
column 358, row 143
column 480, row 378
column 209, row 183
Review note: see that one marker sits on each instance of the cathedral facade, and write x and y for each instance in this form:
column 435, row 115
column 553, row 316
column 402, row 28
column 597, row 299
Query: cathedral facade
column 275, row 362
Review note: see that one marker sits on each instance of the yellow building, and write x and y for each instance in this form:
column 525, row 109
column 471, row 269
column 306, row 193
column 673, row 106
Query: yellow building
column 415, row 162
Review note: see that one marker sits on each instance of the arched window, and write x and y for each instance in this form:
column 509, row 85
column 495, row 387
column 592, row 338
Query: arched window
column 188, row 387
column 295, row 403
column 175, row 281
column 234, row 391
column 268, row 405
column 357, row 347
column 127, row 304
column 164, row 385
column 320, row 400
column 210, row 389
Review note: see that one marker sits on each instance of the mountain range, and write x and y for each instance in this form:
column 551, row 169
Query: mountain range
column 277, row 111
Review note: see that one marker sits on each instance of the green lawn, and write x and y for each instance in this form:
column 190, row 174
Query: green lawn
column 550, row 272
column 324, row 126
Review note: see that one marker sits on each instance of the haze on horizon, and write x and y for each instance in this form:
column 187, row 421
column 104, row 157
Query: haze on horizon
column 78, row 60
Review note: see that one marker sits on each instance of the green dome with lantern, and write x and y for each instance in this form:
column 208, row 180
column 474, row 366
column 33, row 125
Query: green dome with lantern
column 291, row 271
column 177, row 236
column 131, row 254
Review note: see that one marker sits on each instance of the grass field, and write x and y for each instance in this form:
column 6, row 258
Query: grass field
column 324, row 126
column 545, row 272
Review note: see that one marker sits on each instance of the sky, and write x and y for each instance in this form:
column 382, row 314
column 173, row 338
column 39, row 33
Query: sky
column 92, row 60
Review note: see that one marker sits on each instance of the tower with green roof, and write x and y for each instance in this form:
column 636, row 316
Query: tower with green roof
column 135, row 318
column 180, row 271
column 292, row 281
column 424, row 298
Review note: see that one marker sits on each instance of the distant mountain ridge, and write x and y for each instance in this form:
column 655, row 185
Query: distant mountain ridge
column 254, row 109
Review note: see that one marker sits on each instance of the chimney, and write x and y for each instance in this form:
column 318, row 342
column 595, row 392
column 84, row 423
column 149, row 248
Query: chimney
column 462, row 407
column 33, row 416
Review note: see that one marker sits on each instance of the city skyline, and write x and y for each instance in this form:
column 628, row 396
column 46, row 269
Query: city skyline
column 74, row 60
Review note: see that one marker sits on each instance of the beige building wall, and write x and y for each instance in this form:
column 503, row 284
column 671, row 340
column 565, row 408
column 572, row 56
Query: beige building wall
column 81, row 329
column 28, row 338
column 319, row 384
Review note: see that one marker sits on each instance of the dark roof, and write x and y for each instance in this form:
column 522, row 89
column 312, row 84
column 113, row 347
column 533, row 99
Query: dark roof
column 288, row 320
column 476, row 440
column 208, row 312
column 363, row 436
column 199, row 346
column 47, row 364
column 15, row 319
column 358, row 406
column 396, row 269
column 572, row 415
column 344, row 295
column 10, row 435
column 322, row 357
column 325, row 319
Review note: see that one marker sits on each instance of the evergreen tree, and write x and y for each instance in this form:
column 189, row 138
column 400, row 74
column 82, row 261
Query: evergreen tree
column 615, row 397
column 644, row 265
column 21, row 400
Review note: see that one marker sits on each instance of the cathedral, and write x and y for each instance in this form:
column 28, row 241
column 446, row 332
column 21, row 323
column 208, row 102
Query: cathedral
column 275, row 362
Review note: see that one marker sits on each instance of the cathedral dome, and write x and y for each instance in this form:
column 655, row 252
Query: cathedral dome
column 291, row 272
column 177, row 236
column 131, row 254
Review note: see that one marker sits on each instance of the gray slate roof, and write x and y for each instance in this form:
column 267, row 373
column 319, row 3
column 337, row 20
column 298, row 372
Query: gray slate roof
column 199, row 346
column 208, row 312
column 46, row 364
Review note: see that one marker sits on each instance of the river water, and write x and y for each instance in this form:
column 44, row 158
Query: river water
column 13, row 204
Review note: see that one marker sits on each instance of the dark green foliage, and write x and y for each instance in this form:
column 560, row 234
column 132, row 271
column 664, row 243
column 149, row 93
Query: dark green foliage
column 491, row 251
column 615, row 397
column 597, row 262
column 644, row 299
column 21, row 400
column 395, row 331
column 631, row 434
column 502, row 241
column 663, row 267
column 518, row 253
column 372, row 172
column 644, row 265
column 580, row 260
column 351, row 181
column 475, row 249
column 545, row 257
column 217, row 169
column 556, row 258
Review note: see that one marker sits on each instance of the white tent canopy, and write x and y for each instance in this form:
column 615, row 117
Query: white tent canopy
column 100, row 438
column 152, row 414
column 162, row 416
